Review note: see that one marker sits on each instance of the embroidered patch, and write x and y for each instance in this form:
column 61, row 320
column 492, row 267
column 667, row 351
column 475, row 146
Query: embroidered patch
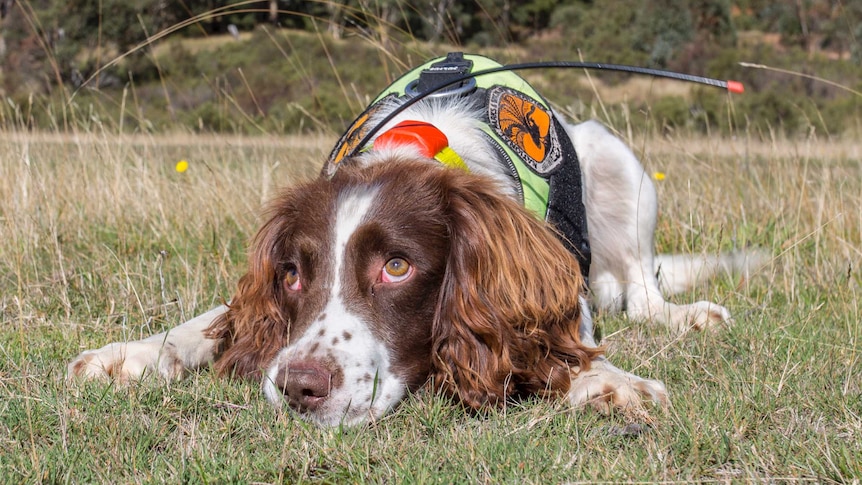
column 357, row 131
column 526, row 127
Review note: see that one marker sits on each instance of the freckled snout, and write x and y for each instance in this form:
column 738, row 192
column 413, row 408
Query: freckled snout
column 305, row 383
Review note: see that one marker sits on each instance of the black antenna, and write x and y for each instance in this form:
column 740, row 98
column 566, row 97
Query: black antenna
column 730, row 86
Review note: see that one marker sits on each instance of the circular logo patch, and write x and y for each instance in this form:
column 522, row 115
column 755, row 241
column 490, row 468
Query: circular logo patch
column 526, row 127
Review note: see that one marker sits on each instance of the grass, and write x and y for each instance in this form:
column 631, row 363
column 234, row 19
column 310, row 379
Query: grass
column 102, row 240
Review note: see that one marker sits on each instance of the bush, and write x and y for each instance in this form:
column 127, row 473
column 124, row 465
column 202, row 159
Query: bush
column 672, row 113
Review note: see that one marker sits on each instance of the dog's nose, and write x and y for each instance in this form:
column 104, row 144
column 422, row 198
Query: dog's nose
column 305, row 384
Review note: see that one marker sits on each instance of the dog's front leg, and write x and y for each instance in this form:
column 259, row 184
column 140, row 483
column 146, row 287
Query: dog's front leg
column 169, row 354
column 605, row 386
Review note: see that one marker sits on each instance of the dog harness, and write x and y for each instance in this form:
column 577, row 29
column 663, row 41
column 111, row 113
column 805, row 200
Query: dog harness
column 528, row 138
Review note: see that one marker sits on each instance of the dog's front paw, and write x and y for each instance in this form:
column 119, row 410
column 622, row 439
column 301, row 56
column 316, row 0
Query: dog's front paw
column 127, row 361
column 701, row 316
column 607, row 389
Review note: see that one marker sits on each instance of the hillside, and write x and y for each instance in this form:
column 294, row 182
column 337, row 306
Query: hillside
column 304, row 76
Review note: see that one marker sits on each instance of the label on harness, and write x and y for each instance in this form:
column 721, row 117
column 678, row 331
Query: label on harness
column 526, row 128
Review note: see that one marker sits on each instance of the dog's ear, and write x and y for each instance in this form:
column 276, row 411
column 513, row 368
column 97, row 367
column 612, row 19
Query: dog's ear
column 256, row 327
column 508, row 314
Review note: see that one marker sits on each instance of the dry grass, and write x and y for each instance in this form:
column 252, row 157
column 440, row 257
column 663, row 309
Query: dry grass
column 103, row 240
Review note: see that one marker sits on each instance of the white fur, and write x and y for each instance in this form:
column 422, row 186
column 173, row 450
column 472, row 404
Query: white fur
column 622, row 207
column 460, row 122
column 168, row 354
column 605, row 385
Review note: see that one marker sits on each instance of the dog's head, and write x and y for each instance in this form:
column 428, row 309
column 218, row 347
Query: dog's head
column 365, row 286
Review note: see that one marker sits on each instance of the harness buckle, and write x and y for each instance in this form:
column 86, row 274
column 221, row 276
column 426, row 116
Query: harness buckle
column 450, row 68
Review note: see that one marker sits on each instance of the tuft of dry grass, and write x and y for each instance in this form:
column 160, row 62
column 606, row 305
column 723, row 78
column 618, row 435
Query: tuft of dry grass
column 103, row 240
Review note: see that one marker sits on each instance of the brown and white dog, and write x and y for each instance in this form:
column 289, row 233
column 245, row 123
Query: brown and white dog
column 398, row 272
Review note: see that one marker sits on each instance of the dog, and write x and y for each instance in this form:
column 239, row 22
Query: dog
column 451, row 252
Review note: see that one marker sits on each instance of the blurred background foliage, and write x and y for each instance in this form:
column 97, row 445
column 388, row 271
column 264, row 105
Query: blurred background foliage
column 285, row 66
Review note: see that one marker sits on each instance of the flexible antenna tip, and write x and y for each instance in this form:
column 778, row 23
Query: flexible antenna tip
column 735, row 87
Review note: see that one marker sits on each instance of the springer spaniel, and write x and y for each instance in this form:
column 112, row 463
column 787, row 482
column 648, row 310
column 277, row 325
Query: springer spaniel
column 393, row 271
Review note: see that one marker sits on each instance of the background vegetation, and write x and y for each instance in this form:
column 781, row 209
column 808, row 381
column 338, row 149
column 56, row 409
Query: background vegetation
column 153, row 65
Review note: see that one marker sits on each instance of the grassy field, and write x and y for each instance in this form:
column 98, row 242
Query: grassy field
column 102, row 240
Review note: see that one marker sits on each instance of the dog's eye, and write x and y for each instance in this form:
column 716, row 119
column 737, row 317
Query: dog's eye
column 291, row 279
column 396, row 270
